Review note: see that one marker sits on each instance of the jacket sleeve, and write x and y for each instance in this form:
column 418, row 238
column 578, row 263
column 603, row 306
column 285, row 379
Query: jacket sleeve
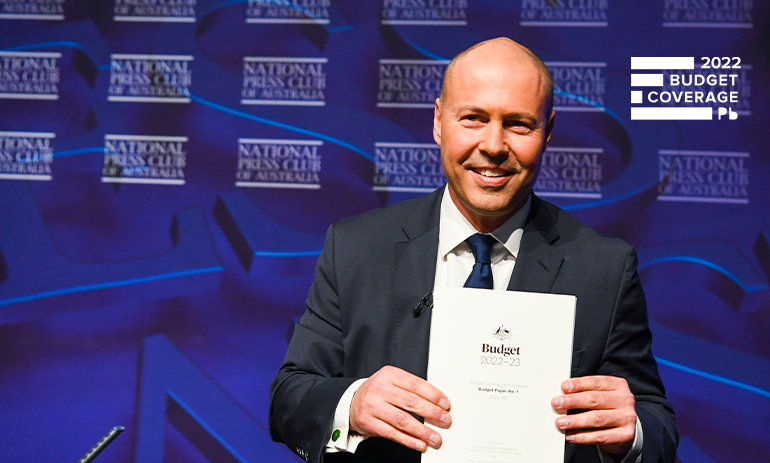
column 309, row 383
column 628, row 354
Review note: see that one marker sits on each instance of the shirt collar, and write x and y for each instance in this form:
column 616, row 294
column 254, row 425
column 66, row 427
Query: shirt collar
column 454, row 228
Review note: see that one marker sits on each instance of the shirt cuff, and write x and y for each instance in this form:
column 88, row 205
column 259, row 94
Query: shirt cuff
column 340, row 439
column 634, row 455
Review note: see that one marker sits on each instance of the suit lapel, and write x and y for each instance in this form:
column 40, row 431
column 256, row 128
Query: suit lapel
column 538, row 261
column 415, row 270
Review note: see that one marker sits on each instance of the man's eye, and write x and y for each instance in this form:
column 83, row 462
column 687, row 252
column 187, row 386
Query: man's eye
column 519, row 125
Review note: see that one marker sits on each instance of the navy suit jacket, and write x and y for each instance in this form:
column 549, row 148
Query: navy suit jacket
column 375, row 267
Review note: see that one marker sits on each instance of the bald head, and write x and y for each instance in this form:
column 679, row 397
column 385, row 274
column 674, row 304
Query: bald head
column 502, row 48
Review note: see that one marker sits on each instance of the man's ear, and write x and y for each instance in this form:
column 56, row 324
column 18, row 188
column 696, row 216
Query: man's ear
column 549, row 129
column 437, row 122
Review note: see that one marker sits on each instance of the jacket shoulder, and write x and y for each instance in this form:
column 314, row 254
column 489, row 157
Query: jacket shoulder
column 573, row 232
column 391, row 220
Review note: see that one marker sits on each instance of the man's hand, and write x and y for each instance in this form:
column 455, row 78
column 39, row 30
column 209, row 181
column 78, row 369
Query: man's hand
column 380, row 405
column 609, row 416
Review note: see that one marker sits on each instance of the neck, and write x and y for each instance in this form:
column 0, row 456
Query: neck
column 485, row 223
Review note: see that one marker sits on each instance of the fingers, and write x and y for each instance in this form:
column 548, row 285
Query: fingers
column 381, row 406
column 612, row 430
column 593, row 400
column 598, row 420
column 593, row 383
column 594, row 393
column 611, row 440
column 407, row 431
column 608, row 416
column 416, row 395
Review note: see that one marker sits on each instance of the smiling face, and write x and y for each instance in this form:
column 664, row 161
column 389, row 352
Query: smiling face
column 492, row 126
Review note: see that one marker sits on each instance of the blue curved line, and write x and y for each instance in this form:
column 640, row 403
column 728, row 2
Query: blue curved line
column 705, row 263
column 93, row 149
column 712, row 377
column 61, row 43
column 287, row 253
column 605, row 201
column 281, row 125
column 226, row 3
column 111, row 284
column 339, row 29
column 422, row 50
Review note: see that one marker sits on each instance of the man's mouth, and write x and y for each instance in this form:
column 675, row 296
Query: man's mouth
column 492, row 172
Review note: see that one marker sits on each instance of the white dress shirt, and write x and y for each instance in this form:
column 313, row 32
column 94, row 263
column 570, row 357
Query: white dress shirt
column 453, row 265
column 455, row 259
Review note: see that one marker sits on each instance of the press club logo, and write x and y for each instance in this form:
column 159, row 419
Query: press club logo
column 288, row 11
column 407, row 167
column 564, row 13
column 408, row 83
column 283, row 81
column 174, row 11
column 26, row 155
column 578, row 86
column 704, row 176
column 28, row 75
column 148, row 159
column 424, row 13
column 150, row 78
column 269, row 163
column 570, row 173
column 46, row 10
column 708, row 13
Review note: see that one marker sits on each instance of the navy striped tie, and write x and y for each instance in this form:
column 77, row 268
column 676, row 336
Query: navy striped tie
column 481, row 274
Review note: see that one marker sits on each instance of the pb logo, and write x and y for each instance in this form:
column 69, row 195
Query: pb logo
column 727, row 112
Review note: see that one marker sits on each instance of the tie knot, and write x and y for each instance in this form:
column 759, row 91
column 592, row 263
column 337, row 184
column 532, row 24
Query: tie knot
column 481, row 247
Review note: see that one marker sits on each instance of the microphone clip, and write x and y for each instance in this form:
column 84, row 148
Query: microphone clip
column 426, row 301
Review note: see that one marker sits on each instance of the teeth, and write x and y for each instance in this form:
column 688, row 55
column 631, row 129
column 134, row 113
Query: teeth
column 490, row 173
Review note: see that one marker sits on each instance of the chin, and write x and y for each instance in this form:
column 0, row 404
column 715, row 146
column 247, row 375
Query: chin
column 491, row 205
column 492, row 210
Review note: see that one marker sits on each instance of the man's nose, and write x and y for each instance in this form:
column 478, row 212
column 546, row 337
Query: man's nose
column 493, row 140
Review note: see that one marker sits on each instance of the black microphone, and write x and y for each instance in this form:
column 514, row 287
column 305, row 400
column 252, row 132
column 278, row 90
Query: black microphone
column 426, row 300
column 109, row 437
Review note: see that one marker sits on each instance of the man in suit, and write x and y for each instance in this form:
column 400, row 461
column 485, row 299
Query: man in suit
column 352, row 384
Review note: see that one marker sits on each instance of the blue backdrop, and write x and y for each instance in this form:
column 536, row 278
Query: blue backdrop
column 168, row 170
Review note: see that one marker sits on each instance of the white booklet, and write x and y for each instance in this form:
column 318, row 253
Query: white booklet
column 500, row 357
